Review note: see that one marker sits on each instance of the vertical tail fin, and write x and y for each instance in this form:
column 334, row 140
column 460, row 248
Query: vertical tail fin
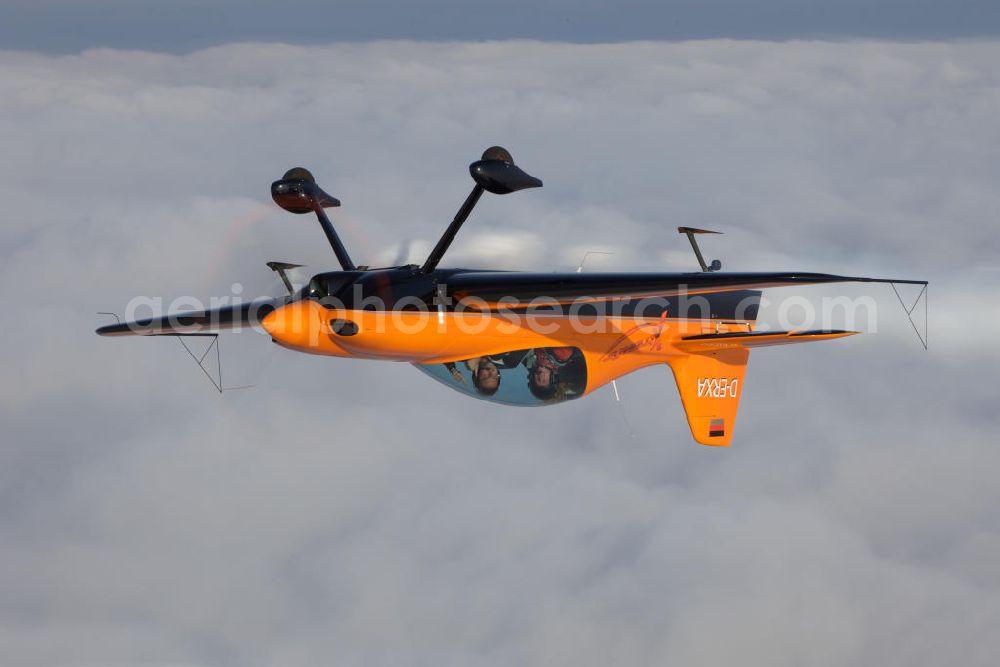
column 710, row 385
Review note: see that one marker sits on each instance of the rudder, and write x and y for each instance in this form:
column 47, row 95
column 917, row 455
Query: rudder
column 710, row 386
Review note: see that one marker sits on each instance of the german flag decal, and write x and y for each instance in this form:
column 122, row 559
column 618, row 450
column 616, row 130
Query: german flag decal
column 717, row 428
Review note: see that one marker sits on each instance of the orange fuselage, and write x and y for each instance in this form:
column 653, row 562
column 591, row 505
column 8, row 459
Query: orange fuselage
column 612, row 346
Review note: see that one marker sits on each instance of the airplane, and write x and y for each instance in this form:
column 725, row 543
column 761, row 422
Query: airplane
column 514, row 337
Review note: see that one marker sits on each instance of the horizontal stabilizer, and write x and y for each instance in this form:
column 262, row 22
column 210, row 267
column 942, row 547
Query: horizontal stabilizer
column 749, row 339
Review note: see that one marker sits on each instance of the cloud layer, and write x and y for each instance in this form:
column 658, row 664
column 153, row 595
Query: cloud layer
column 351, row 512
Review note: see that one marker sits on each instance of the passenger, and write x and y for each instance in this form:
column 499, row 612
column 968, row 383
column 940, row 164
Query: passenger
column 485, row 375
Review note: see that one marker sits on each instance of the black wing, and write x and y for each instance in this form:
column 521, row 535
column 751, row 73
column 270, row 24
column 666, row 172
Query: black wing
column 195, row 322
column 561, row 288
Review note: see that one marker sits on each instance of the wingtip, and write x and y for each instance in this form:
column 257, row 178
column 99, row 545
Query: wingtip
column 120, row 329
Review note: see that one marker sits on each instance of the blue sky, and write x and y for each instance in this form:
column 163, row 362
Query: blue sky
column 182, row 25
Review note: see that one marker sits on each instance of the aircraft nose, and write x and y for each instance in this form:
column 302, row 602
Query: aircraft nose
column 307, row 326
column 288, row 323
column 273, row 321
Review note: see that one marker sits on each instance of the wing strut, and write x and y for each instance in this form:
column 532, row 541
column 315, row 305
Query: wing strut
column 909, row 311
column 200, row 360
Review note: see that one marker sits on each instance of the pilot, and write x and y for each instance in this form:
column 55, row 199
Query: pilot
column 541, row 382
column 555, row 373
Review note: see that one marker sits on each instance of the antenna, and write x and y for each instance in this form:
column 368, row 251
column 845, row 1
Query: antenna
column 587, row 254
column 297, row 192
column 691, row 231
column 496, row 173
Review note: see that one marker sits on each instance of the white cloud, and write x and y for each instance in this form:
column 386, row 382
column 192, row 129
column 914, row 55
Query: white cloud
column 351, row 512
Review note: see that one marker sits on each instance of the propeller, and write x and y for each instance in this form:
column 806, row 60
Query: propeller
column 403, row 253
